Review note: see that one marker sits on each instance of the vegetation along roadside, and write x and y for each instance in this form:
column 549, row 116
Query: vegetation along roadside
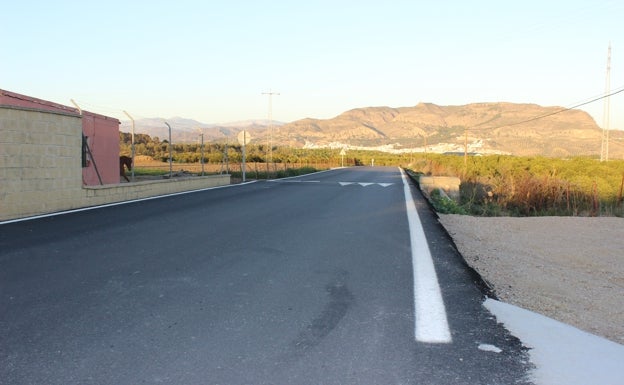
column 492, row 185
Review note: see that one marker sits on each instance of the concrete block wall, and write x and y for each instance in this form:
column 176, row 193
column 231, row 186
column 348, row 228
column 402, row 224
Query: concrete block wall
column 41, row 167
column 98, row 195
column 448, row 184
column 40, row 161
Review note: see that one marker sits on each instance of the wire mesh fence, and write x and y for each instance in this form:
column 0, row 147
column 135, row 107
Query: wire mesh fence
column 146, row 167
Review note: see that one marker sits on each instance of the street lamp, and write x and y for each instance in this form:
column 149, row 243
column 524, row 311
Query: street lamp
column 201, row 134
column 270, row 144
column 170, row 167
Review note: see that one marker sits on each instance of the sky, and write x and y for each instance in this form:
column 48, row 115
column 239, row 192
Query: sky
column 214, row 61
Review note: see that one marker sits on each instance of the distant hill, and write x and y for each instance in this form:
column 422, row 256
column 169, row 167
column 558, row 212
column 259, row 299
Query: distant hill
column 505, row 128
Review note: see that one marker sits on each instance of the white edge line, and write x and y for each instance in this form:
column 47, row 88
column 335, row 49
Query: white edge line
column 295, row 181
column 431, row 324
column 299, row 176
column 118, row 203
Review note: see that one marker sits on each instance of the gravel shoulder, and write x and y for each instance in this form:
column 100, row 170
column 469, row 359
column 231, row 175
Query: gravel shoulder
column 567, row 268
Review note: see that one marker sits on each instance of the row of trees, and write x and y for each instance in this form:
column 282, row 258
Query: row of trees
column 219, row 152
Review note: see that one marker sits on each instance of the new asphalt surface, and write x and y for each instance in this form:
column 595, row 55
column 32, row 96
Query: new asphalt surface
column 299, row 281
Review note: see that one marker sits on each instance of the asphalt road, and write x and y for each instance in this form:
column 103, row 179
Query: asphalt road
column 300, row 281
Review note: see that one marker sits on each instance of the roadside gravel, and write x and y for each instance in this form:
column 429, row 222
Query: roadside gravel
column 567, row 268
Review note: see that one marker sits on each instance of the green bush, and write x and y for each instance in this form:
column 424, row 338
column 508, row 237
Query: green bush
column 445, row 205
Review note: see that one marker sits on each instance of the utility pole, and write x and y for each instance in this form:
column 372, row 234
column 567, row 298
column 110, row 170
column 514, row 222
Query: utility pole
column 132, row 145
column 270, row 136
column 604, row 150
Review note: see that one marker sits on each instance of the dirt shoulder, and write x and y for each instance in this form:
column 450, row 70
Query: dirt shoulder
column 567, row 268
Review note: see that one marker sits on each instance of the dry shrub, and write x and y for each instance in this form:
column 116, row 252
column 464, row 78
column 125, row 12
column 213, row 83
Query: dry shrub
column 526, row 194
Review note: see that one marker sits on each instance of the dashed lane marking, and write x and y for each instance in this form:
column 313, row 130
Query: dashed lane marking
column 363, row 184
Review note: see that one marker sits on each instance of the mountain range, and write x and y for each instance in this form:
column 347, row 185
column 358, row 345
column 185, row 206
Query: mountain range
column 504, row 128
column 185, row 130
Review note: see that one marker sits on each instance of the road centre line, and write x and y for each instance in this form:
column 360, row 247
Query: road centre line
column 431, row 324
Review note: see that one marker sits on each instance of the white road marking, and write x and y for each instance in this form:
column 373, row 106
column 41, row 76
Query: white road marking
column 365, row 184
column 489, row 348
column 431, row 324
column 294, row 181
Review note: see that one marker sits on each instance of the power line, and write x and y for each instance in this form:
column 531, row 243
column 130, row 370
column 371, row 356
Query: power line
column 621, row 89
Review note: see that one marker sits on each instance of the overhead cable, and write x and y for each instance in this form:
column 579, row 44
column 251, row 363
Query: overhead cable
column 621, row 89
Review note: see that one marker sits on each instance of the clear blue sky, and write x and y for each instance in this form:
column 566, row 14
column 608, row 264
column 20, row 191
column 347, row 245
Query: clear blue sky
column 211, row 60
